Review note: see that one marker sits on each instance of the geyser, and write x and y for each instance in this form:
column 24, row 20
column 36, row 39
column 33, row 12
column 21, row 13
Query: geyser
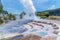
column 30, row 9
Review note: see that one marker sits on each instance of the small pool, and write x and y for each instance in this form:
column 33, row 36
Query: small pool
column 42, row 33
column 20, row 36
column 34, row 30
column 47, row 29
column 1, row 32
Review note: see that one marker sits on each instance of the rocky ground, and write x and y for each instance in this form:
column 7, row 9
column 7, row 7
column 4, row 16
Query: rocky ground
column 39, row 25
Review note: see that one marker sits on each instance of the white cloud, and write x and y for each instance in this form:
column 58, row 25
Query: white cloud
column 52, row 7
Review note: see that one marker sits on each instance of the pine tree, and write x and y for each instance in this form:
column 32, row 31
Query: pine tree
column 1, row 7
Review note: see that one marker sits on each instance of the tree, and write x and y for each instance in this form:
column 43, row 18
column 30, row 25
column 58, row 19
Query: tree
column 1, row 9
column 1, row 21
column 22, row 15
column 5, row 12
column 11, row 17
column 43, row 14
column 46, row 14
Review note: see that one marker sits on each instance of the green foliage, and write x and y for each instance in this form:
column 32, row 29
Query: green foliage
column 43, row 14
column 54, row 12
column 11, row 17
column 53, row 17
column 5, row 16
column 1, row 21
column 1, row 9
column 5, row 12
column 43, row 17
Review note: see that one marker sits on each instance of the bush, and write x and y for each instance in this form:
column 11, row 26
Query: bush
column 11, row 17
column 43, row 17
column 1, row 8
column 52, row 17
column 1, row 21
column 43, row 14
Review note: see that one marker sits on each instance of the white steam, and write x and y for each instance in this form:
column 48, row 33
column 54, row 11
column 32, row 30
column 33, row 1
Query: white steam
column 28, row 4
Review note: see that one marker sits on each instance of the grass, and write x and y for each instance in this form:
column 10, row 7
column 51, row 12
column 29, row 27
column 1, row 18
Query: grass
column 54, row 17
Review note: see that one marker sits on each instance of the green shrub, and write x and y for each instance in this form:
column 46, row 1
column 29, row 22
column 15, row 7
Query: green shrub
column 11, row 17
column 52, row 17
column 1, row 8
column 1, row 21
column 43, row 14
column 43, row 17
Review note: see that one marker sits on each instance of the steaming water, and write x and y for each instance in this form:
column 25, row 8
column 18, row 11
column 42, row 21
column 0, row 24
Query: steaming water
column 29, row 9
column 17, row 26
column 14, row 27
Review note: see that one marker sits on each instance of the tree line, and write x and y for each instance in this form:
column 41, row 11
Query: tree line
column 47, row 13
column 5, row 16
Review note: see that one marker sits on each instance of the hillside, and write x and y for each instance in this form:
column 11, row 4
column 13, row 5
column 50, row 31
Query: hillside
column 54, row 12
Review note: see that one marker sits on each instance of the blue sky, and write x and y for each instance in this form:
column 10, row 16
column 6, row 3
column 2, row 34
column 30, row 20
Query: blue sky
column 15, row 6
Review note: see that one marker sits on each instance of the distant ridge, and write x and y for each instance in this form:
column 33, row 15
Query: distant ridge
column 54, row 12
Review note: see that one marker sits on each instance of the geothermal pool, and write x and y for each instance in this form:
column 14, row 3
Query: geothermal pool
column 22, row 27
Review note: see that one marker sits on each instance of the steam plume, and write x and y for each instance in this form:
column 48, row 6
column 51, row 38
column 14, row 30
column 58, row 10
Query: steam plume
column 28, row 6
